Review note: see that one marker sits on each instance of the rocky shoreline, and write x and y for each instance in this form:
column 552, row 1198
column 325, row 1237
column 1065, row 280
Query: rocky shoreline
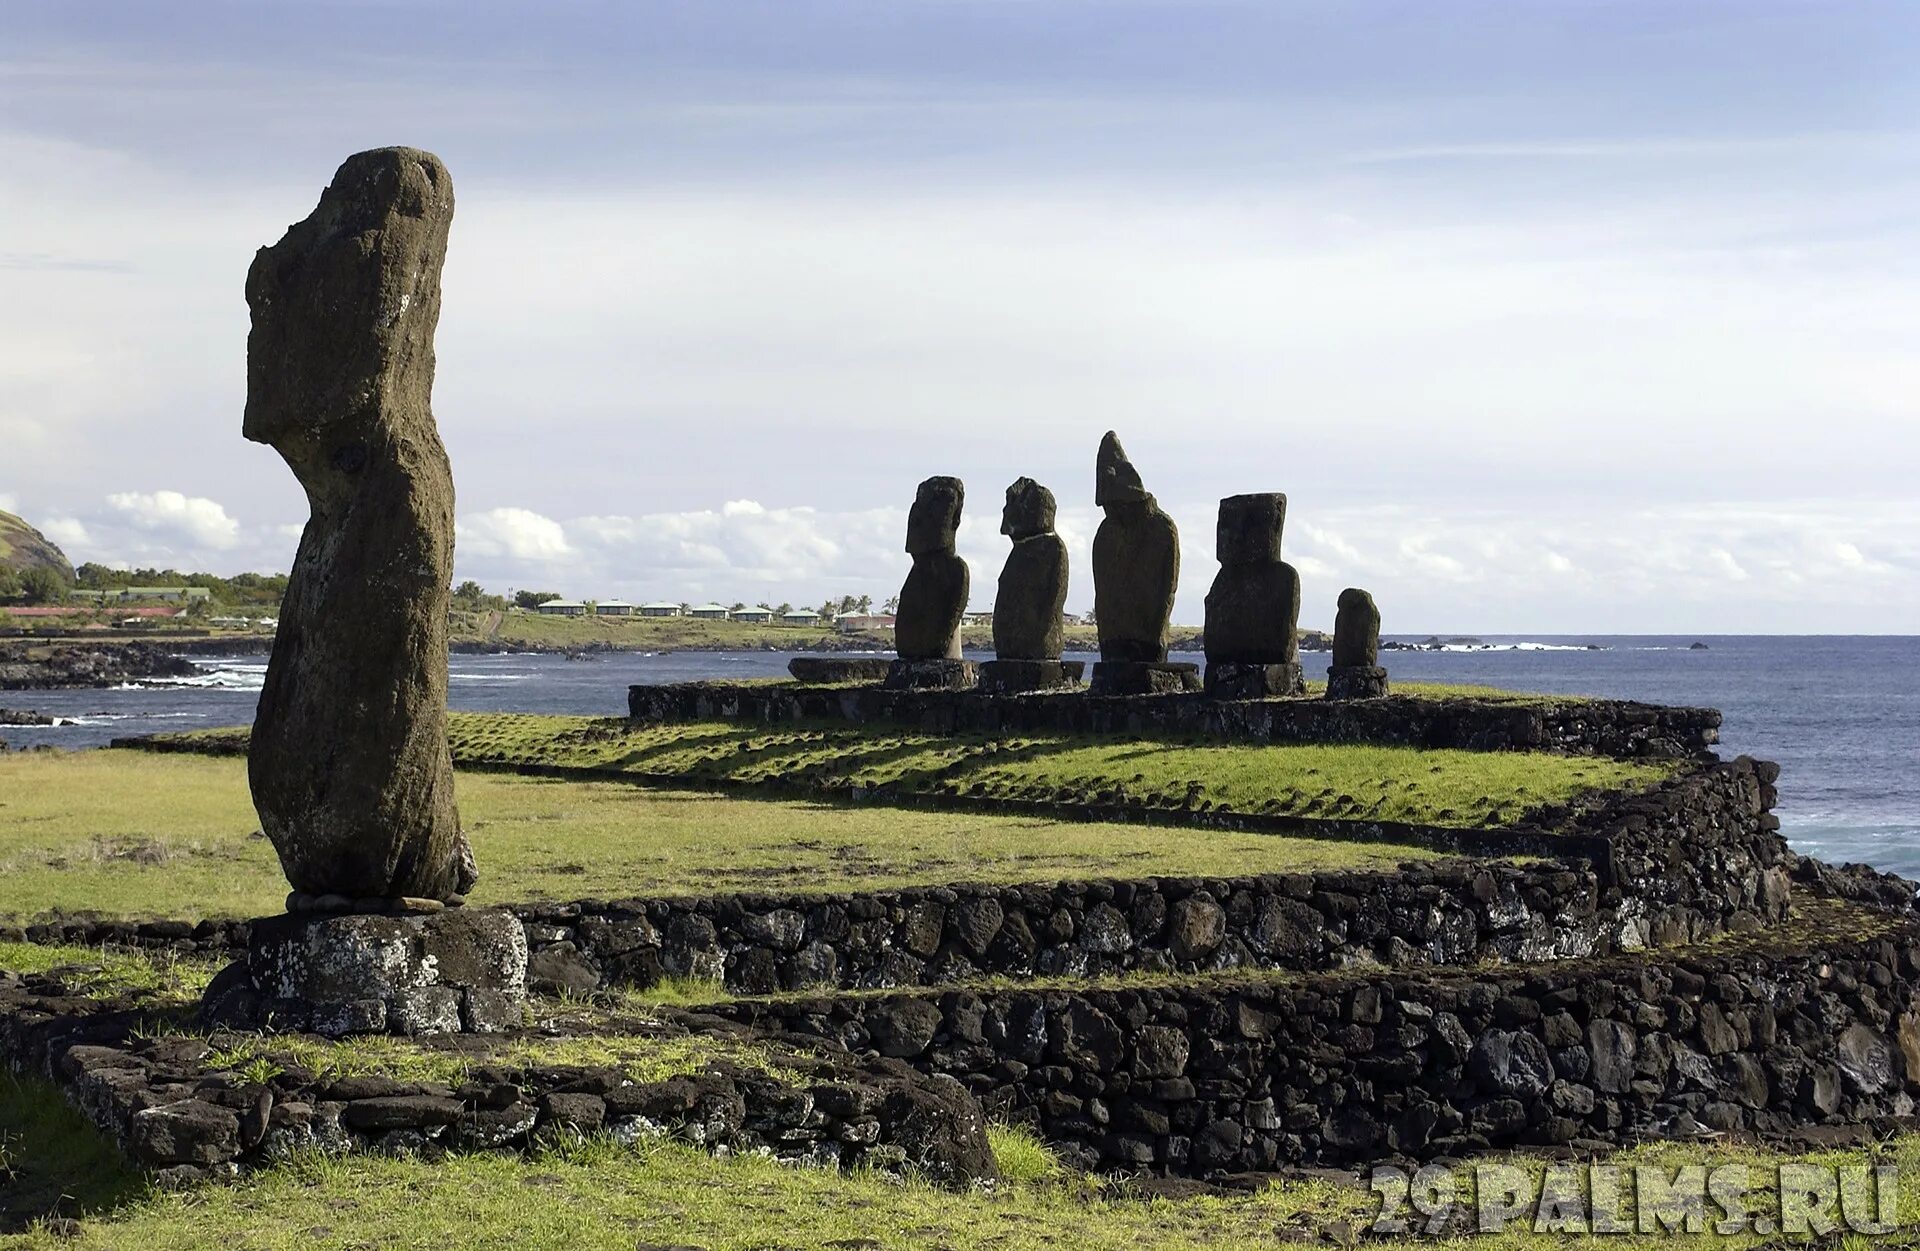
column 87, row 665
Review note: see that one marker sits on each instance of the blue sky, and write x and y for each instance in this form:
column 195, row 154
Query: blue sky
column 1547, row 316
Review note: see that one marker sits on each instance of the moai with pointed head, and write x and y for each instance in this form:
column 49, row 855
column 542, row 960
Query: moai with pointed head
column 1253, row 607
column 1356, row 671
column 933, row 601
column 1027, row 630
column 348, row 763
column 1136, row 570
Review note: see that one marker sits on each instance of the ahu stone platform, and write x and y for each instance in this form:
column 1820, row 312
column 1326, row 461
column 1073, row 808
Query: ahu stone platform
column 1593, row 727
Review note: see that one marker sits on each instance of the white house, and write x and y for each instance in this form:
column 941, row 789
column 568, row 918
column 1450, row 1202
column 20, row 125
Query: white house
column 710, row 612
column 613, row 608
column 563, row 608
column 660, row 608
column 754, row 614
column 800, row 617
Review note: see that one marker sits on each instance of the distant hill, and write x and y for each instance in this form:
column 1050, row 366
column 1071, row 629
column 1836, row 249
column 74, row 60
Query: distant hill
column 22, row 548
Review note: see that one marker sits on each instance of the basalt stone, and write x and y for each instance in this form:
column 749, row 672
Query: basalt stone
column 934, row 597
column 932, row 675
column 335, row 974
column 349, row 763
column 1012, row 677
column 1356, row 671
column 1129, row 677
column 1136, row 563
column 1235, row 680
column 831, row 670
column 1253, row 607
column 1033, row 582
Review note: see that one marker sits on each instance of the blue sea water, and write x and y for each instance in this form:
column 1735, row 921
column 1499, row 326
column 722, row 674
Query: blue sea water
column 1840, row 714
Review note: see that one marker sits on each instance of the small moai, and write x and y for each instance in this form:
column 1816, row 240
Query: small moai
column 348, row 762
column 1136, row 570
column 926, row 627
column 1027, row 630
column 1356, row 671
column 1253, row 607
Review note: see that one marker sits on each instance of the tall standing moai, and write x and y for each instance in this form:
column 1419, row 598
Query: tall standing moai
column 1027, row 633
column 1356, row 671
column 1253, row 607
column 1136, row 570
column 349, row 764
column 926, row 628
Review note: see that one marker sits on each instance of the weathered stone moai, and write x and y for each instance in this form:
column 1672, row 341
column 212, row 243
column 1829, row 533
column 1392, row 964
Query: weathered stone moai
column 1253, row 607
column 1033, row 591
column 926, row 628
column 1136, row 569
column 1356, row 671
column 349, row 764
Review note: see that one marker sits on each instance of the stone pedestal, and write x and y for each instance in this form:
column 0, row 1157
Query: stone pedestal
column 932, row 675
column 463, row 970
column 1011, row 677
column 829, row 670
column 1232, row 680
column 1356, row 682
column 1140, row 677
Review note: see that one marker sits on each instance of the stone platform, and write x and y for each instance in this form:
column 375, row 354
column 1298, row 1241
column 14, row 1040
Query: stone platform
column 932, row 675
column 1357, row 682
column 1139, row 677
column 1014, row 677
column 833, row 670
column 1227, row 680
column 459, row 971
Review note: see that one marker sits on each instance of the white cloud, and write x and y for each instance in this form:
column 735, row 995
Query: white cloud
column 65, row 532
column 9, row 503
column 199, row 521
column 516, row 533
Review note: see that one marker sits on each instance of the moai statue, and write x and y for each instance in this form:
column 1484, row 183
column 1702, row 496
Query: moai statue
column 926, row 630
column 1136, row 569
column 1356, row 671
column 1033, row 591
column 1253, row 607
column 349, row 765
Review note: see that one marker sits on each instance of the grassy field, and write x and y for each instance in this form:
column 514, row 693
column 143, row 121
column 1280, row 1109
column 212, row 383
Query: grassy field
column 134, row 834
column 1459, row 789
column 594, row 1195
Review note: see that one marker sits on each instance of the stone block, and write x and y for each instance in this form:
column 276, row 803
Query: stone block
column 1013, row 677
column 1230, row 680
column 932, row 675
column 833, row 670
column 1357, row 682
column 1134, row 677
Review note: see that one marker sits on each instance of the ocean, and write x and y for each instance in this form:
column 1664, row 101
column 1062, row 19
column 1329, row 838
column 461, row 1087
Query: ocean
column 1840, row 714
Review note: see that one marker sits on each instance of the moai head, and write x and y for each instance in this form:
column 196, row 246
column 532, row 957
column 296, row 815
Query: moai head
column 1116, row 481
column 317, row 378
column 1249, row 529
column 1029, row 510
column 933, row 523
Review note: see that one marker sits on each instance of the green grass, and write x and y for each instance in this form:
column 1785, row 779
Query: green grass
column 1457, row 789
column 640, row 633
column 156, row 975
column 135, row 834
column 594, row 1195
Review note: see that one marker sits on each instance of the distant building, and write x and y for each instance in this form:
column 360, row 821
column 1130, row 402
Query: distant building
column 863, row 623
column 613, row 608
column 754, row 614
column 710, row 612
column 800, row 617
column 660, row 609
column 128, row 594
column 562, row 608
column 977, row 618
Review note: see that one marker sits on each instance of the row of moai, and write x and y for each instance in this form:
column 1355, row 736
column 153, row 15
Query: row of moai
column 1252, row 611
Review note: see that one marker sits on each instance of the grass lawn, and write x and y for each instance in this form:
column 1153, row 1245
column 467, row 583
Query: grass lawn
column 136, row 834
column 1459, row 789
column 594, row 1195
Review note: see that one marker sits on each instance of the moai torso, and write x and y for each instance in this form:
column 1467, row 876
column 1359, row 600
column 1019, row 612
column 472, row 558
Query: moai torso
column 1253, row 607
column 1033, row 583
column 1356, row 630
column 934, row 597
column 349, row 763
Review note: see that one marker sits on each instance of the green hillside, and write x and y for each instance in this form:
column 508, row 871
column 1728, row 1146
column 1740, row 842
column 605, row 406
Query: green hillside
column 22, row 548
